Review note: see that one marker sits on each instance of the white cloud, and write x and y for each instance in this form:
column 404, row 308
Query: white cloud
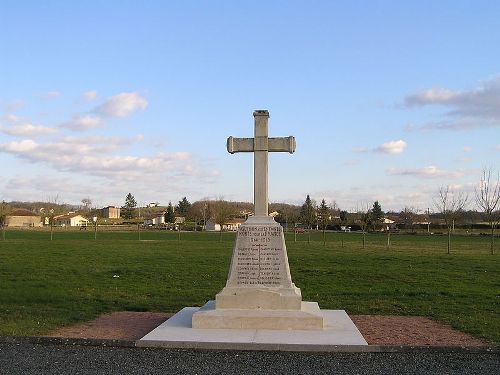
column 82, row 123
column 426, row 172
column 27, row 130
column 13, row 118
column 462, row 124
column 99, row 144
column 20, row 127
column 122, row 105
column 470, row 109
column 66, row 187
column 92, row 157
column 93, row 162
column 90, row 95
column 392, row 147
column 431, row 96
column 26, row 145
column 97, row 163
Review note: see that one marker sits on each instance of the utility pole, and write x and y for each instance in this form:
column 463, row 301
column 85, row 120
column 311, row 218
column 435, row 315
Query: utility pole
column 428, row 221
column 95, row 227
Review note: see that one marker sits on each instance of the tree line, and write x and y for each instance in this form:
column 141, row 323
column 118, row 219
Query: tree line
column 449, row 206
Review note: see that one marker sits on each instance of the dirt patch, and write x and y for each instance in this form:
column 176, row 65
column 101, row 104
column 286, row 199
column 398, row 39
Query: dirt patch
column 376, row 329
column 124, row 325
column 411, row 330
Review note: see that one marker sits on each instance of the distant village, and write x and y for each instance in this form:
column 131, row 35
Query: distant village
column 221, row 215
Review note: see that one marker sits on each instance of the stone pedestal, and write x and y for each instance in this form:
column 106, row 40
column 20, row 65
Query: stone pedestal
column 259, row 293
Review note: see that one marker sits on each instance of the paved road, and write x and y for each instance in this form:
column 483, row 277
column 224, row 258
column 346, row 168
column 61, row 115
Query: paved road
column 31, row 358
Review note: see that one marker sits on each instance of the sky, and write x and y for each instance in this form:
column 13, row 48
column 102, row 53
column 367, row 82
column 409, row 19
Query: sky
column 387, row 100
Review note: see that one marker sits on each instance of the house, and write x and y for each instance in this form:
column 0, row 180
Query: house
column 388, row 224
column 110, row 212
column 230, row 225
column 233, row 224
column 70, row 220
column 211, row 226
column 179, row 220
column 155, row 219
column 22, row 218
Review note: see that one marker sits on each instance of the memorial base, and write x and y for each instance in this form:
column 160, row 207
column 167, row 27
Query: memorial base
column 259, row 298
column 177, row 332
column 308, row 317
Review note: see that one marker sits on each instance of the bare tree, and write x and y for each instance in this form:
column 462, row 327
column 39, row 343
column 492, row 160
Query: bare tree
column 200, row 211
column 451, row 206
column 488, row 200
column 48, row 214
column 4, row 211
column 363, row 213
column 288, row 214
column 87, row 204
column 408, row 217
column 324, row 215
column 222, row 211
column 50, row 210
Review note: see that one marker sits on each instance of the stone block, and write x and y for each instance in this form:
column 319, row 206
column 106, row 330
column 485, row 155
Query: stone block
column 309, row 317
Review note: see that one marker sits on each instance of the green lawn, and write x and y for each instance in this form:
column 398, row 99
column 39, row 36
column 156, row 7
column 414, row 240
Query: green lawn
column 45, row 284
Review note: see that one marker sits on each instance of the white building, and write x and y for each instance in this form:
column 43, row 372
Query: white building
column 230, row 225
column 155, row 219
column 70, row 220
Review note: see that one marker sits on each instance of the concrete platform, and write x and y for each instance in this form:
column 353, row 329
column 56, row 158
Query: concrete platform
column 176, row 332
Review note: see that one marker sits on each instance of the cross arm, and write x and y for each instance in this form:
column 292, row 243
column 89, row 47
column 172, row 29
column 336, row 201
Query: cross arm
column 281, row 144
column 239, row 145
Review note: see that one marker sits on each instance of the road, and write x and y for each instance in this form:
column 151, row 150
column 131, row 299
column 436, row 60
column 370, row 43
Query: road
column 33, row 358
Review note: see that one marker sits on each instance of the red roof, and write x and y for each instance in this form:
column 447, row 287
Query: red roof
column 22, row 212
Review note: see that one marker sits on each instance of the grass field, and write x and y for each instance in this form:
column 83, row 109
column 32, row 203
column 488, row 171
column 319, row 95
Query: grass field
column 74, row 278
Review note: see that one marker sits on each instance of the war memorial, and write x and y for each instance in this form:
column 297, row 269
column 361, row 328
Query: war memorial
column 260, row 305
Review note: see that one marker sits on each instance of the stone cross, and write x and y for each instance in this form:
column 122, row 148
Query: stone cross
column 261, row 145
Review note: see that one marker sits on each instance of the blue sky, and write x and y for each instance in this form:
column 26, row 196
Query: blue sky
column 388, row 100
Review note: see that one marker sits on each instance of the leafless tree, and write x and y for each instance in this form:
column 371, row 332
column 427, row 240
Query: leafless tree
column 222, row 211
column 324, row 215
column 288, row 214
column 50, row 211
column 408, row 217
column 451, row 205
column 488, row 200
column 200, row 210
column 363, row 218
column 4, row 211
column 87, row 204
